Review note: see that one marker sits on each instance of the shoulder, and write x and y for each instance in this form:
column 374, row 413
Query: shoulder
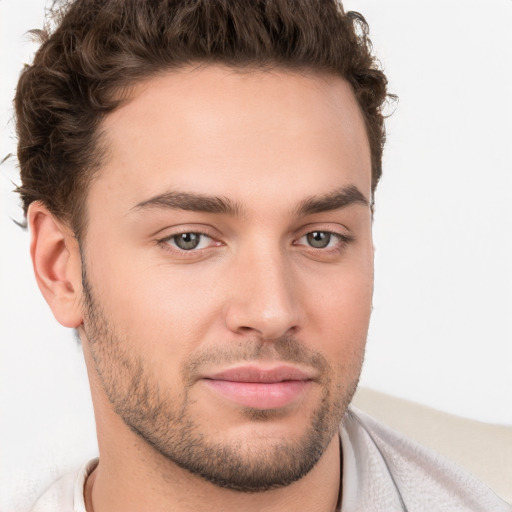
column 66, row 493
column 381, row 464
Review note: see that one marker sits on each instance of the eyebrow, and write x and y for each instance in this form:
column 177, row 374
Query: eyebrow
column 341, row 198
column 191, row 202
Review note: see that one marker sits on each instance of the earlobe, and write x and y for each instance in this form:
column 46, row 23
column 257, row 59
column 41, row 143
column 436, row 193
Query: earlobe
column 57, row 265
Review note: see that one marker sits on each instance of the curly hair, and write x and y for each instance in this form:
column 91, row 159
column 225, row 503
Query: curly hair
column 100, row 48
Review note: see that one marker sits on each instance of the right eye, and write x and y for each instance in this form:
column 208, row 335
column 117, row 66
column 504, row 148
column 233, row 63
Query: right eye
column 319, row 239
column 188, row 241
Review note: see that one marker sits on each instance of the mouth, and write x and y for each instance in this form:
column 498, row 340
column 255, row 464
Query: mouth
column 260, row 388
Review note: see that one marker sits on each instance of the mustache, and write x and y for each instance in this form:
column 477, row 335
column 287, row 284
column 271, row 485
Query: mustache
column 285, row 349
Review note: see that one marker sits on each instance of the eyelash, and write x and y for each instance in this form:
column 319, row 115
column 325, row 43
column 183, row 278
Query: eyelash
column 343, row 241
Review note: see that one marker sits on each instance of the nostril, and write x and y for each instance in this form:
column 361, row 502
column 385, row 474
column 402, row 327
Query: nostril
column 243, row 329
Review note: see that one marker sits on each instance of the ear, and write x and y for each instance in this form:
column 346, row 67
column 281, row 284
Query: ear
column 57, row 265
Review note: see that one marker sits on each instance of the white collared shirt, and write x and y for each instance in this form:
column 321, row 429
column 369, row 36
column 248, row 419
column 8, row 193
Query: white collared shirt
column 383, row 471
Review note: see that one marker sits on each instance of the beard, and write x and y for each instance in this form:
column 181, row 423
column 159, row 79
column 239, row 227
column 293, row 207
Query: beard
column 164, row 418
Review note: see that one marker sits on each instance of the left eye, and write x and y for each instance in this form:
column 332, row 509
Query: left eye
column 189, row 241
column 320, row 239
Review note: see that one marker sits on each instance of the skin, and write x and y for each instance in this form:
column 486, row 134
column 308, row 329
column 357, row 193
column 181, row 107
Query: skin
column 267, row 142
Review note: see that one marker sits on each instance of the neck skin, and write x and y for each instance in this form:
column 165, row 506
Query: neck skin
column 131, row 476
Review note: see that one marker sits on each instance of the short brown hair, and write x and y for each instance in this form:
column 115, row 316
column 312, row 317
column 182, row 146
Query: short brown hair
column 101, row 47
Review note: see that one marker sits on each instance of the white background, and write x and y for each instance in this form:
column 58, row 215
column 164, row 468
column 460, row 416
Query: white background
column 441, row 331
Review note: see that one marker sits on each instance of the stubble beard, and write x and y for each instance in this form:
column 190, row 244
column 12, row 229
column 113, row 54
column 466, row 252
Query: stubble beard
column 166, row 423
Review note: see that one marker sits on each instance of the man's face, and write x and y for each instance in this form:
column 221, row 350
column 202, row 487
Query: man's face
column 228, row 270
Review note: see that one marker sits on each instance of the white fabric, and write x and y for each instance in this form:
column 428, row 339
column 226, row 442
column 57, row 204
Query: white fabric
column 382, row 472
column 67, row 493
column 485, row 450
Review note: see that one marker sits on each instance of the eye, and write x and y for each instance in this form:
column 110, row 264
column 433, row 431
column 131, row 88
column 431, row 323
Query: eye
column 323, row 240
column 189, row 241
column 319, row 239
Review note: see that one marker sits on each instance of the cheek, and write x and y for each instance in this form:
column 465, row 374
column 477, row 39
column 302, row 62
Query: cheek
column 345, row 331
column 163, row 307
column 341, row 312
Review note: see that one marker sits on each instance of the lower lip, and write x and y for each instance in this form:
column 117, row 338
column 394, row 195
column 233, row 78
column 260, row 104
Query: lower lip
column 260, row 395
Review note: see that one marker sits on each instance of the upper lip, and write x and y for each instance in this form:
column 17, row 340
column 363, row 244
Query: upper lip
column 263, row 375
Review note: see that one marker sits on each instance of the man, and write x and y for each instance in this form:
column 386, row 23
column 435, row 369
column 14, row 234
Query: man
column 198, row 178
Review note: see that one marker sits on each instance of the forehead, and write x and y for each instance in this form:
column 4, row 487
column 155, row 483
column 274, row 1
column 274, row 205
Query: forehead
column 215, row 130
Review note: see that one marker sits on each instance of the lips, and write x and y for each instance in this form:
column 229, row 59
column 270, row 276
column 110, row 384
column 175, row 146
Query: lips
column 260, row 388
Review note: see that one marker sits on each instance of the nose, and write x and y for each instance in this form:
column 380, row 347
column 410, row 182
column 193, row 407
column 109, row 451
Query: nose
column 263, row 297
